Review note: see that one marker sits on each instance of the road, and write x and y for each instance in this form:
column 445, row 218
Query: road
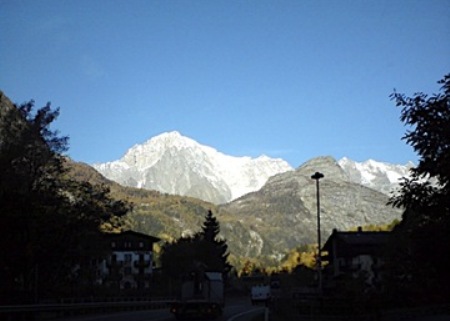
column 235, row 310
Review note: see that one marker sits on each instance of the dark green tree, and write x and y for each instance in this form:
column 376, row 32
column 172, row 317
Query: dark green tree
column 216, row 248
column 210, row 228
column 423, row 236
column 50, row 224
column 178, row 257
column 204, row 250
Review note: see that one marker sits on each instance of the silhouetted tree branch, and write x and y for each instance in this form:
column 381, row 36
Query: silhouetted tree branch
column 423, row 237
column 50, row 224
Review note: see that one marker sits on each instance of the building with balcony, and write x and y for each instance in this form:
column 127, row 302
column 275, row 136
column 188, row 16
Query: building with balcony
column 355, row 254
column 129, row 263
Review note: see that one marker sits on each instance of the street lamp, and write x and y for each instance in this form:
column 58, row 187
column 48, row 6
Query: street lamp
column 317, row 176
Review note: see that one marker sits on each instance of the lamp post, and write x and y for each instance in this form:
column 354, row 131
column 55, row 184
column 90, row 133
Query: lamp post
column 317, row 176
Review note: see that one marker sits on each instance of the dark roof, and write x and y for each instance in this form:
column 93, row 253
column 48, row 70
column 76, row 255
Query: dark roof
column 357, row 238
column 135, row 234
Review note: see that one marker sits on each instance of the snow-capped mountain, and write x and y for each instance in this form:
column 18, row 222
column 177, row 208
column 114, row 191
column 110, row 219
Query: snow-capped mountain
column 383, row 177
column 175, row 164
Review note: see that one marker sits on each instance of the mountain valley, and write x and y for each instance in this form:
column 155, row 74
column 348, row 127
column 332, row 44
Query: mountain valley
column 264, row 217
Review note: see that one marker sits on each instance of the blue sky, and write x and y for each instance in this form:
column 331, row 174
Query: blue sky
column 290, row 79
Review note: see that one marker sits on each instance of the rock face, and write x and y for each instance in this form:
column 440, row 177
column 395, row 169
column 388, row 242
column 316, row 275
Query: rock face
column 286, row 212
column 6, row 108
column 174, row 164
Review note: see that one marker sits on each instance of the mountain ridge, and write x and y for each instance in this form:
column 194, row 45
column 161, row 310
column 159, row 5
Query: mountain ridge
column 287, row 204
column 176, row 164
column 266, row 223
column 381, row 176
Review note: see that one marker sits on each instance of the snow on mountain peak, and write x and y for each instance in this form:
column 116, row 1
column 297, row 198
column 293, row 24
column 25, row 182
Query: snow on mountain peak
column 176, row 164
column 173, row 163
column 169, row 140
column 380, row 176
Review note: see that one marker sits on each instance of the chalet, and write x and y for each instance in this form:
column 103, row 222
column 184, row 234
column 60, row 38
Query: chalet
column 358, row 253
column 129, row 263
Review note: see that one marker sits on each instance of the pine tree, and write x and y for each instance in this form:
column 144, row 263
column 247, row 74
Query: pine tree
column 203, row 249
column 216, row 249
column 210, row 228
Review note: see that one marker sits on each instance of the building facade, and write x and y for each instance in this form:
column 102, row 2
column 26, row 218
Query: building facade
column 129, row 263
column 355, row 254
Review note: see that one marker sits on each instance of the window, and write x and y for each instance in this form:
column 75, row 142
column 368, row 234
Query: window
column 141, row 244
column 113, row 244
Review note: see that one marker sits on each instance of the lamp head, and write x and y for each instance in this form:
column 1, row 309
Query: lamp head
column 317, row 176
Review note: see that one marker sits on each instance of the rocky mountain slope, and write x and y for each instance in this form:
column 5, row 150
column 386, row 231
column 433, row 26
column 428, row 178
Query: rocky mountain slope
column 283, row 212
column 168, row 216
column 272, row 207
column 174, row 164
column 268, row 222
